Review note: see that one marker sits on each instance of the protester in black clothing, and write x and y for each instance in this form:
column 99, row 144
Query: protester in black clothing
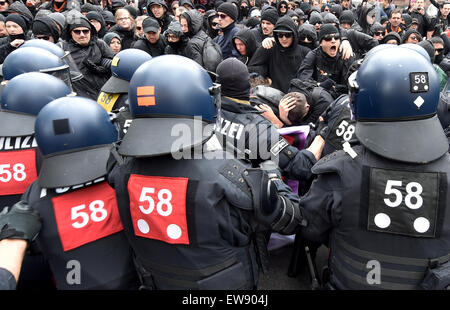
column 244, row 42
column 281, row 62
column 97, row 20
column 191, row 24
column 158, row 10
column 17, row 29
column 392, row 38
column 325, row 64
column 377, row 31
column 44, row 28
column 125, row 28
column 307, row 36
column 269, row 18
column 176, row 40
column 114, row 41
column 153, row 42
column 210, row 23
column 92, row 55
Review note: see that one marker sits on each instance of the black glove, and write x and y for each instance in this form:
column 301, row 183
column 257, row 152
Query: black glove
column 271, row 209
column 323, row 130
column 327, row 84
column 266, row 206
column 19, row 222
column 96, row 69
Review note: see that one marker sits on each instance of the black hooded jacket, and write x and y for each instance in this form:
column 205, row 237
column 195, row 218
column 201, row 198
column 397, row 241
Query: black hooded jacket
column 197, row 37
column 128, row 36
column 328, row 71
column 164, row 21
column 278, row 63
column 154, row 50
column 98, row 17
column 246, row 36
column 93, row 60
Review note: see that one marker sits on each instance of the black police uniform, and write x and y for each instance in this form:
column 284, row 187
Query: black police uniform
column 238, row 127
column 81, row 232
column 354, row 190
column 341, row 126
column 381, row 206
column 19, row 164
column 193, row 217
column 202, row 234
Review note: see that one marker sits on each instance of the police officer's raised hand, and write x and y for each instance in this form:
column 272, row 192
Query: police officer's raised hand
column 19, row 222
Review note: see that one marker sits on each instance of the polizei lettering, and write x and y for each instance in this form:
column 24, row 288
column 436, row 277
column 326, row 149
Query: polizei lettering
column 230, row 129
column 17, row 143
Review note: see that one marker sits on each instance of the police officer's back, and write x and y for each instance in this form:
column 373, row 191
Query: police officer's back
column 381, row 206
column 189, row 214
column 82, row 235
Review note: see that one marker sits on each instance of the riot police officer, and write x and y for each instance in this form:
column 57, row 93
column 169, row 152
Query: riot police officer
column 191, row 216
column 31, row 59
column 243, row 131
column 114, row 93
column 22, row 99
column 381, row 207
column 82, row 235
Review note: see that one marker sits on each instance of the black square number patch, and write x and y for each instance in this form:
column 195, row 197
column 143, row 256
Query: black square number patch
column 403, row 202
column 419, row 82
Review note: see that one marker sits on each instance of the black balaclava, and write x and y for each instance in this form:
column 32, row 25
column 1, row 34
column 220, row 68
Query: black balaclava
column 234, row 78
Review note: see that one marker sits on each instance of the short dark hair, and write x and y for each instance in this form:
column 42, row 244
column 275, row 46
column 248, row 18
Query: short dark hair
column 299, row 112
column 395, row 11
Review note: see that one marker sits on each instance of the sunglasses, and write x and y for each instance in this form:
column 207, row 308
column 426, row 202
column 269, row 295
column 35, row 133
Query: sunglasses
column 78, row 32
column 222, row 16
column 3, row 3
column 318, row 23
column 46, row 38
column 414, row 38
column 439, row 50
column 283, row 6
column 286, row 35
column 214, row 24
column 329, row 37
column 303, row 38
column 379, row 33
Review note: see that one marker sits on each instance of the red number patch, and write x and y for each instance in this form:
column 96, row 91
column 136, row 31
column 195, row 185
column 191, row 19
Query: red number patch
column 158, row 208
column 86, row 215
column 17, row 171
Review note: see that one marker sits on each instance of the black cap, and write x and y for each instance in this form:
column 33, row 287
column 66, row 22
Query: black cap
column 150, row 24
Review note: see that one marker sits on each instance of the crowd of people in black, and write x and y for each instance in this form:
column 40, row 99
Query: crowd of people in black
column 279, row 64
column 278, row 41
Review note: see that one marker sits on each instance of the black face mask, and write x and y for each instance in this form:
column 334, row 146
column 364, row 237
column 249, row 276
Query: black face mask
column 17, row 36
column 244, row 11
column 438, row 58
column 175, row 45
